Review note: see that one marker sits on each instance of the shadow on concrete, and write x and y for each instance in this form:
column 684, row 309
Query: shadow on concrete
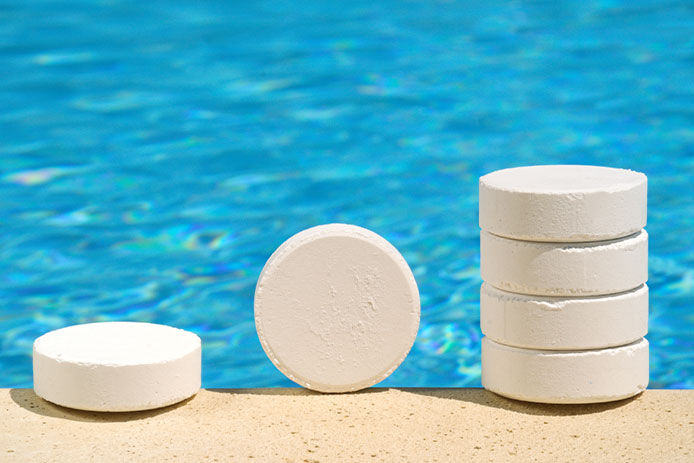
column 292, row 391
column 485, row 398
column 477, row 396
column 28, row 400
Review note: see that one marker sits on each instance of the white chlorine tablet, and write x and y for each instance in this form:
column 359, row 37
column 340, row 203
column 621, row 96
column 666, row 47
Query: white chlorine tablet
column 117, row 366
column 336, row 308
column 565, row 377
column 568, row 323
column 564, row 269
column 562, row 203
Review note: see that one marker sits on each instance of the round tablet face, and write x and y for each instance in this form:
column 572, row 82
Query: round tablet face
column 336, row 308
column 564, row 269
column 117, row 366
column 562, row 203
column 563, row 323
column 587, row 376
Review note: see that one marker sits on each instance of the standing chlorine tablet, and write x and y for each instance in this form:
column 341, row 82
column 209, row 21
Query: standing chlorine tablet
column 336, row 308
column 562, row 203
column 117, row 366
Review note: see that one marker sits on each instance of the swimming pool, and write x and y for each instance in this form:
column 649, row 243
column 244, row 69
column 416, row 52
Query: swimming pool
column 153, row 155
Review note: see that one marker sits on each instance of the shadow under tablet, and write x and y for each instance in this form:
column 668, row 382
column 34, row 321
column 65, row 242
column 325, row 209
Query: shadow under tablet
column 28, row 400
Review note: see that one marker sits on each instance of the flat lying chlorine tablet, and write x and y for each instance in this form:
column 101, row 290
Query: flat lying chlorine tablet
column 564, row 269
column 562, row 203
column 336, row 308
column 565, row 377
column 563, row 323
column 117, row 366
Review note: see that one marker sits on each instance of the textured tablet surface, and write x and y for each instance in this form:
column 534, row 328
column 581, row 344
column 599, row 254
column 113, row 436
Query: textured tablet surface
column 336, row 308
column 562, row 203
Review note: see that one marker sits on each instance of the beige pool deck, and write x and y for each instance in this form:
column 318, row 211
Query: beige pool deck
column 399, row 425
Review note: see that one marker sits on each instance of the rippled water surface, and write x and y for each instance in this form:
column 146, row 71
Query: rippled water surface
column 154, row 154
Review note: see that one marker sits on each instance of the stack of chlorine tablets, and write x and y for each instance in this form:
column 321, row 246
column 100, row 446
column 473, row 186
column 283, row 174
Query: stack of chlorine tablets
column 564, row 305
column 117, row 366
column 336, row 308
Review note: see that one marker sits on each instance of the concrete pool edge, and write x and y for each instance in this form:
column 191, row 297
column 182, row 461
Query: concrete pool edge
column 395, row 424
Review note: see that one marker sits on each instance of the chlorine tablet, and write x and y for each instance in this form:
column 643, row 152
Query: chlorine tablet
column 336, row 308
column 563, row 323
column 564, row 269
column 565, row 377
column 562, row 203
column 117, row 366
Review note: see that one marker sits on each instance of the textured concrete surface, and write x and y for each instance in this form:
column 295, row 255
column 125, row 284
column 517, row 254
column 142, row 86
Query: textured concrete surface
column 295, row 425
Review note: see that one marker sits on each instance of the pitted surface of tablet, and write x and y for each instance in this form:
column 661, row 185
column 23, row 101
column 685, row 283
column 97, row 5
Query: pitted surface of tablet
column 601, row 375
column 564, row 269
column 117, row 366
column 563, row 323
column 562, row 203
column 336, row 308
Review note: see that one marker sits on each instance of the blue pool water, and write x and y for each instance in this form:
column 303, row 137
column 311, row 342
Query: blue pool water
column 154, row 154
